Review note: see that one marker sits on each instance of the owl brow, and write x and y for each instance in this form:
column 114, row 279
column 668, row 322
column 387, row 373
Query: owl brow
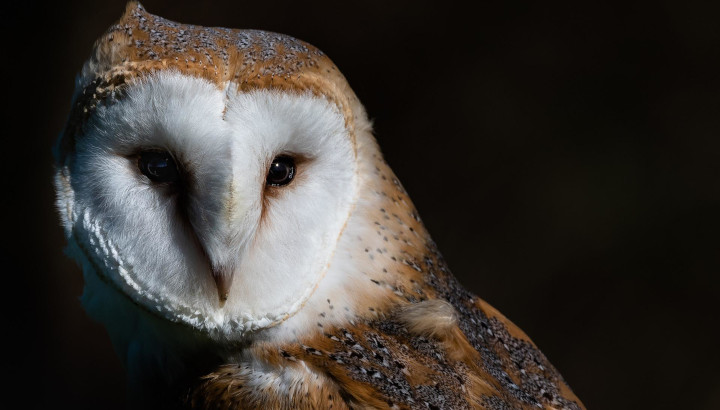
column 92, row 95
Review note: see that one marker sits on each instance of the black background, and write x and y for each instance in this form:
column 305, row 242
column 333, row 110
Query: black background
column 563, row 155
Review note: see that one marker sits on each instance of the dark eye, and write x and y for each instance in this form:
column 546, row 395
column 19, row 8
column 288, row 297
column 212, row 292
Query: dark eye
column 159, row 166
column 282, row 171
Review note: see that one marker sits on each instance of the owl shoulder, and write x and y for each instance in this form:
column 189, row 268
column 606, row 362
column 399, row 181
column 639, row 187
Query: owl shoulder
column 430, row 354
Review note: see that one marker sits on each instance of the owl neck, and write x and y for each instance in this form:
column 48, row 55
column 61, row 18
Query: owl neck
column 384, row 257
column 161, row 358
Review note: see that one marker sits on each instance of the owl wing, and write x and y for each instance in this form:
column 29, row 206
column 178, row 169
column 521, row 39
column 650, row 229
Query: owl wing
column 454, row 351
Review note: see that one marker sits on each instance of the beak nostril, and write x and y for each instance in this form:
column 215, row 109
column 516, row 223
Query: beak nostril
column 222, row 275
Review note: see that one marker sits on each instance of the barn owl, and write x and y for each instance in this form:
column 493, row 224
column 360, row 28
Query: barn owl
column 246, row 245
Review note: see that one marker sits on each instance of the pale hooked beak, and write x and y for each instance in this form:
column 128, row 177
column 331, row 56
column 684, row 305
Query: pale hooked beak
column 223, row 276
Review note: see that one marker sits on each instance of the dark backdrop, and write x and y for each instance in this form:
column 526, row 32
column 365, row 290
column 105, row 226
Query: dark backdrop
column 564, row 157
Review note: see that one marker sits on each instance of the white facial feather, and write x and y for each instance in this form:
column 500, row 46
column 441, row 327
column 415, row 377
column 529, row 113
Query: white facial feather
column 277, row 241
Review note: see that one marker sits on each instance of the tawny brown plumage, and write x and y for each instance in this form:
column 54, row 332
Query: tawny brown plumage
column 412, row 338
column 421, row 341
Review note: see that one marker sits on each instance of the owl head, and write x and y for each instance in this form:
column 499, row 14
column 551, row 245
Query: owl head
column 207, row 174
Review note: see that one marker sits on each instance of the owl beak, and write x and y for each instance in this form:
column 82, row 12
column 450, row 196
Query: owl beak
column 223, row 280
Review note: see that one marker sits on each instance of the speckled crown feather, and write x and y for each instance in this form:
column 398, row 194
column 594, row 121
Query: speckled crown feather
column 141, row 43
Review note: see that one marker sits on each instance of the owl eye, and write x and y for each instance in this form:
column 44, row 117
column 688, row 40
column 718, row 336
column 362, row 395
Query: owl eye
column 281, row 172
column 159, row 166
